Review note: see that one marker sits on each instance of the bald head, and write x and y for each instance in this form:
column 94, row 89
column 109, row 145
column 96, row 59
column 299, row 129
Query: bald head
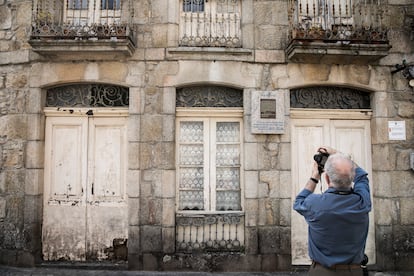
column 340, row 169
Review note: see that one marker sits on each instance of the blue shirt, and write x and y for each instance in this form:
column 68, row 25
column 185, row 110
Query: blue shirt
column 338, row 223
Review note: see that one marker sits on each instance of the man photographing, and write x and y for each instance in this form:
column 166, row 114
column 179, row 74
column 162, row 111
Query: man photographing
column 338, row 218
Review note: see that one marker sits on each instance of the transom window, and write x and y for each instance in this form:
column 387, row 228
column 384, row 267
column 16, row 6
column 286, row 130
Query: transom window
column 209, row 160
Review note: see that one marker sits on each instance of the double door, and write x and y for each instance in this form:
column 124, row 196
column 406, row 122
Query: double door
column 349, row 136
column 85, row 208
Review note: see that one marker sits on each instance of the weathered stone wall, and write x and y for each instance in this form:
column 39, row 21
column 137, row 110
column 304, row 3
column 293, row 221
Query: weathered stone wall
column 156, row 68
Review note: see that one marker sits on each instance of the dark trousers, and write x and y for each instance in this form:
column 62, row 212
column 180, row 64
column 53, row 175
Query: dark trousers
column 343, row 270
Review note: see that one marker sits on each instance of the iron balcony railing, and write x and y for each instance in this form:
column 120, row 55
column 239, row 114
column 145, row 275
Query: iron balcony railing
column 210, row 23
column 82, row 20
column 345, row 21
column 210, row 232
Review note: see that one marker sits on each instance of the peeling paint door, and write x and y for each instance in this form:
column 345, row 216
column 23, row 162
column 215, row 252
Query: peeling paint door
column 85, row 209
column 350, row 136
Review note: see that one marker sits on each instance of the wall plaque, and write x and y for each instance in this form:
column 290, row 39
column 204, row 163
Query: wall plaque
column 396, row 130
column 268, row 112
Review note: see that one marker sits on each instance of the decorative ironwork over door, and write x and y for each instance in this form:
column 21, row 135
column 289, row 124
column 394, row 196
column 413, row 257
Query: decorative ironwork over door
column 326, row 97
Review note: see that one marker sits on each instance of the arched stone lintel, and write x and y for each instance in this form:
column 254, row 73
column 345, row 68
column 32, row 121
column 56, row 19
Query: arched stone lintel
column 365, row 78
column 230, row 74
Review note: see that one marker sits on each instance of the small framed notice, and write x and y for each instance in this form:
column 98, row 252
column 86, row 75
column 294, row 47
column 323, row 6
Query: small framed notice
column 396, row 130
column 268, row 114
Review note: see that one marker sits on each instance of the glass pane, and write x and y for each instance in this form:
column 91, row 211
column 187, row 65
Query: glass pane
column 228, row 201
column 78, row 4
column 191, row 132
column 191, row 200
column 110, row 4
column 228, row 178
column 191, row 178
column 228, row 132
column 193, row 5
column 191, row 155
column 228, row 155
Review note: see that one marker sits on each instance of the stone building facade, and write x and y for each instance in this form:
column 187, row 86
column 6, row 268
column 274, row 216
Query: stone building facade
column 173, row 135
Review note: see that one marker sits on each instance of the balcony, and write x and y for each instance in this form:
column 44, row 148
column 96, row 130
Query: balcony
column 82, row 29
column 213, row 23
column 337, row 31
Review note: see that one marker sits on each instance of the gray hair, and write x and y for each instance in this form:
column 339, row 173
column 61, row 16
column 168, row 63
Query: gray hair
column 340, row 169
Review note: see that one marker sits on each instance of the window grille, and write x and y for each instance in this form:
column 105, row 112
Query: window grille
column 88, row 95
column 359, row 21
column 329, row 98
column 81, row 19
column 213, row 23
column 210, row 233
column 209, row 96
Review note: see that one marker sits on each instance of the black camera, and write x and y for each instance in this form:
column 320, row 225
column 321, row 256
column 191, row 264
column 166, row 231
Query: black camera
column 321, row 158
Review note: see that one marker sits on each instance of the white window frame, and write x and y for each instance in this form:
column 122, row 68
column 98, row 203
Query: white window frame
column 92, row 12
column 211, row 115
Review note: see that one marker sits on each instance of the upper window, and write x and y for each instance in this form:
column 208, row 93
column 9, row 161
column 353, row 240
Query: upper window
column 213, row 23
column 193, row 5
column 92, row 11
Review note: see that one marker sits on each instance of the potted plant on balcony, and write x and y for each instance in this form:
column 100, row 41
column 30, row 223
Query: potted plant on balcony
column 316, row 32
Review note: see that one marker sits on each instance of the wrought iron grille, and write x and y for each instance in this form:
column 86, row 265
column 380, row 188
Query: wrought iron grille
column 329, row 98
column 349, row 21
column 81, row 19
column 209, row 96
column 213, row 23
column 88, row 95
column 210, row 233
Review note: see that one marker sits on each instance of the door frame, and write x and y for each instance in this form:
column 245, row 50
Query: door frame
column 339, row 114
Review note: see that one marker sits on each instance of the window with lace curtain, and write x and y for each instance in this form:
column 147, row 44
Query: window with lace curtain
column 209, row 160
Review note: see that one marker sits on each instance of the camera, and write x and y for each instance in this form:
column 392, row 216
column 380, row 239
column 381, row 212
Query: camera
column 320, row 159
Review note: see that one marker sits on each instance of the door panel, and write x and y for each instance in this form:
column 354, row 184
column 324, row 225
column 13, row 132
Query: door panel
column 306, row 137
column 350, row 136
column 354, row 137
column 107, row 158
column 107, row 209
column 64, row 196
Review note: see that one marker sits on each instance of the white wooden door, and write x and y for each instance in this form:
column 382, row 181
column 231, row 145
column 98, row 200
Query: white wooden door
column 350, row 136
column 85, row 207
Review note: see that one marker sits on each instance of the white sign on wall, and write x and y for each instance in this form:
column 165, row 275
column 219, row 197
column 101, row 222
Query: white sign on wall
column 268, row 112
column 396, row 130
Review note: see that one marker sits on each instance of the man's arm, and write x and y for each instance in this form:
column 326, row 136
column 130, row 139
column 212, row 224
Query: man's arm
column 361, row 187
column 309, row 188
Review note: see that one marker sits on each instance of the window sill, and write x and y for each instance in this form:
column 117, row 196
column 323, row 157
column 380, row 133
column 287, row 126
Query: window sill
column 210, row 53
column 190, row 213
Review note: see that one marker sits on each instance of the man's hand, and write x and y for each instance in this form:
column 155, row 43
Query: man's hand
column 315, row 171
column 327, row 150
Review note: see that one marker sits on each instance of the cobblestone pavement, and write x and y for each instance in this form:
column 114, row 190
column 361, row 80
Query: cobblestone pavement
column 78, row 271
